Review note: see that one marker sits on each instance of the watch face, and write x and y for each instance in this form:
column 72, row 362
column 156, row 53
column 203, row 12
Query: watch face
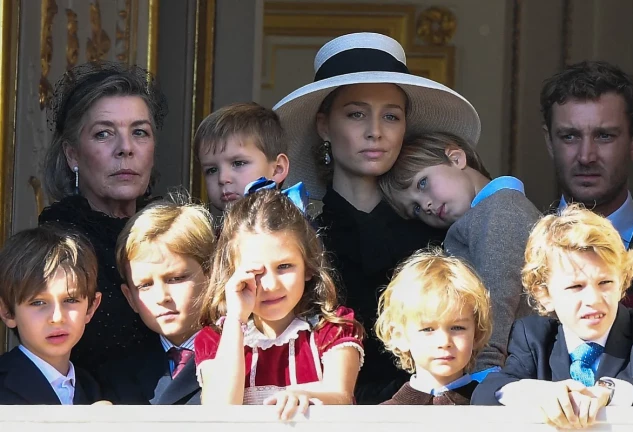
column 606, row 383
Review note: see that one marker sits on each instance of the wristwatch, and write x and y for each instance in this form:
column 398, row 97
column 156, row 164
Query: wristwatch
column 608, row 384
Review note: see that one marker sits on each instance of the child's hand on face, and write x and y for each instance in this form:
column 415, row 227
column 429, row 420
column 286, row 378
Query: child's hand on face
column 241, row 291
column 288, row 402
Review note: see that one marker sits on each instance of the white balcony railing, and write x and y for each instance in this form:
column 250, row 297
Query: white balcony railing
column 263, row 419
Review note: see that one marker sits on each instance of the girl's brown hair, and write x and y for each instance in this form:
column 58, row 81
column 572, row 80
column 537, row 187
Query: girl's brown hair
column 270, row 212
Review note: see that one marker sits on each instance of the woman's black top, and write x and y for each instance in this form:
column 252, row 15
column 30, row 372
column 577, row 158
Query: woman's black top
column 116, row 330
column 365, row 248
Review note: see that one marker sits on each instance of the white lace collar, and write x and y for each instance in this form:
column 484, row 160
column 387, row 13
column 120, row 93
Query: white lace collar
column 255, row 339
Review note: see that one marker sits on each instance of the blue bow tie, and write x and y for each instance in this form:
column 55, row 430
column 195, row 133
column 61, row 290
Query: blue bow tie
column 297, row 193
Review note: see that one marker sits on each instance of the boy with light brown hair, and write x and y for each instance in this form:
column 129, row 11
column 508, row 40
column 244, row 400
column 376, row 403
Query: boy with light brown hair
column 575, row 357
column 434, row 317
column 236, row 145
column 164, row 256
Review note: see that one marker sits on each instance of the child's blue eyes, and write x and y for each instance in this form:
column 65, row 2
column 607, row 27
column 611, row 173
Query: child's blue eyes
column 72, row 300
column 422, row 183
column 416, row 209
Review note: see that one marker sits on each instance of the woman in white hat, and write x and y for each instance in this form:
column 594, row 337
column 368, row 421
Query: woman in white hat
column 345, row 129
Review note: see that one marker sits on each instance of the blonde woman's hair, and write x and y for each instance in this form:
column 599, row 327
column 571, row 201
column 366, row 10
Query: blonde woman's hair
column 431, row 286
column 419, row 152
column 182, row 226
column 575, row 229
column 271, row 212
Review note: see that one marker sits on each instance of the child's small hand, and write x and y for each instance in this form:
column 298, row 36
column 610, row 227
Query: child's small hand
column 558, row 404
column 288, row 402
column 588, row 402
column 102, row 402
column 241, row 291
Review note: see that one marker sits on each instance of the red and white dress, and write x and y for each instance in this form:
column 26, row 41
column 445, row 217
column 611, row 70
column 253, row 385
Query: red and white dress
column 295, row 357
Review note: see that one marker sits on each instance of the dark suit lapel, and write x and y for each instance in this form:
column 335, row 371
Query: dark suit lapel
column 182, row 386
column 618, row 346
column 80, row 397
column 150, row 372
column 559, row 361
column 27, row 381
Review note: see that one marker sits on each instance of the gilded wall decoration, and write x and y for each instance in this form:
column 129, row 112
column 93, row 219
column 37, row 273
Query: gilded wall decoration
column 49, row 10
column 99, row 44
column 437, row 25
column 291, row 27
column 72, row 41
column 122, row 38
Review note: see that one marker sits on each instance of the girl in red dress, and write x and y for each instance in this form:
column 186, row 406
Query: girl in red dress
column 273, row 332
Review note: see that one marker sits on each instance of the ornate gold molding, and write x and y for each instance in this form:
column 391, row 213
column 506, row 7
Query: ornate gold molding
column 9, row 47
column 304, row 20
column 98, row 46
column 437, row 25
column 152, row 37
column 122, row 37
column 49, row 10
column 72, row 41
column 202, row 103
column 38, row 193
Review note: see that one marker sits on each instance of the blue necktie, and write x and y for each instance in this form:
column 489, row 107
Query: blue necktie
column 582, row 358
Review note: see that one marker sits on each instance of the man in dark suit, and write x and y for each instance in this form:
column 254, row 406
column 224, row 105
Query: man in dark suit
column 576, row 358
column 588, row 128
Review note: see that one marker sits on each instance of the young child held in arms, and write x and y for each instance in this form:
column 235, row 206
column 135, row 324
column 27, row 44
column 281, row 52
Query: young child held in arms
column 47, row 296
column 274, row 332
column 576, row 357
column 439, row 179
column 434, row 317
column 238, row 144
column 164, row 256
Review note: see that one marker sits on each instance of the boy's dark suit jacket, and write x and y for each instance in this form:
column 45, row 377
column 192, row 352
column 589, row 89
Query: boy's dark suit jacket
column 22, row 383
column 537, row 350
column 145, row 379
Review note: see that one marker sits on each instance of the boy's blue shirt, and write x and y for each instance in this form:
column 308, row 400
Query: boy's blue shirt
column 503, row 182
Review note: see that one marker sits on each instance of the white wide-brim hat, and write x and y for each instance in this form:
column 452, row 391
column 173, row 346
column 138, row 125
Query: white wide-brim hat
column 367, row 58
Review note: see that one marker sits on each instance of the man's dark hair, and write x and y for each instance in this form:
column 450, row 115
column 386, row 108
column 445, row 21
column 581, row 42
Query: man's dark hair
column 586, row 81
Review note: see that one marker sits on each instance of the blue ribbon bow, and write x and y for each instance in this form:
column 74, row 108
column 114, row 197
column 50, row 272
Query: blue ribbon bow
column 297, row 193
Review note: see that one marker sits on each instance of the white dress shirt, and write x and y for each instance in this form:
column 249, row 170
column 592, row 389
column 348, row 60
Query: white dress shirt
column 64, row 386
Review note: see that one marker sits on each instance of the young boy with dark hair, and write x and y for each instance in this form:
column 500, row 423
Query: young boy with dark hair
column 47, row 296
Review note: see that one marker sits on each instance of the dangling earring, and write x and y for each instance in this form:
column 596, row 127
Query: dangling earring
column 327, row 158
column 76, row 171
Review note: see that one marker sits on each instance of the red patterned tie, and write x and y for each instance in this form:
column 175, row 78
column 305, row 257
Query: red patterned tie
column 180, row 357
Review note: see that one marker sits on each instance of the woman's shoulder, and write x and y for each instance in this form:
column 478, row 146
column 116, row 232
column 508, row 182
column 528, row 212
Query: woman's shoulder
column 65, row 211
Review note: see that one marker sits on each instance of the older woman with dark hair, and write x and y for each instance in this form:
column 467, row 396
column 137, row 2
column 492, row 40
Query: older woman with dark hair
column 98, row 169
